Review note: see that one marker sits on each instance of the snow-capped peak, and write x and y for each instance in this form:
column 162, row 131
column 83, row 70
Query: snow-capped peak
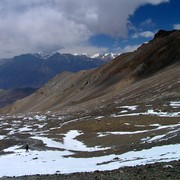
column 44, row 55
column 104, row 57
column 76, row 54
column 110, row 55
column 97, row 55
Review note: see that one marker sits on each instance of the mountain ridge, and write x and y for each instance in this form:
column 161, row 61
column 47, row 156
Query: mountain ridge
column 127, row 71
column 38, row 69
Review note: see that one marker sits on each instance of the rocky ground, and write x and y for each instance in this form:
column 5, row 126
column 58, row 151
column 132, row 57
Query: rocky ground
column 169, row 171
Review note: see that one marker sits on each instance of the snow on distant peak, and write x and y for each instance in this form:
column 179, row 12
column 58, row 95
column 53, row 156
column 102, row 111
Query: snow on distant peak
column 105, row 57
column 85, row 54
column 44, row 55
column 76, row 54
column 110, row 55
column 97, row 55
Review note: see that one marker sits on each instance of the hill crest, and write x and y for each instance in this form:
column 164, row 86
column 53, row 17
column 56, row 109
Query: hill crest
column 129, row 72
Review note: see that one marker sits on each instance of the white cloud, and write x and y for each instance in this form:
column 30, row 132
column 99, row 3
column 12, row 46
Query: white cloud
column 49, row 25
column 156, row 2
column 176, row 26
column 145, row 34
column 128, row 48
column 148, row 23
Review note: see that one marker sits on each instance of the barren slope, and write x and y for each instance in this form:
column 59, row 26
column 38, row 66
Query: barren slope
column 125, row 73
column 8, row 96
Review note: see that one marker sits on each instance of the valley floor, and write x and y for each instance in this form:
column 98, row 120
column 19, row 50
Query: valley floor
column 61, row 144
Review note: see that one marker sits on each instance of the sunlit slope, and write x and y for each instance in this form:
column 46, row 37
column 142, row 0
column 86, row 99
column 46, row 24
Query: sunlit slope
column 127, row 75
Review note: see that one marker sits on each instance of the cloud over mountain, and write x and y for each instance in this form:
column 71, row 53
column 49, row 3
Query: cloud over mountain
column 50, row 25
column 176, row 26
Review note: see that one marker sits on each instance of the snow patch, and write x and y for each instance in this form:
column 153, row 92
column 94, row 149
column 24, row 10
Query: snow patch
column 69, row 143
column 171, row 126
column 50, row 162
column 132, row 108
column 40, row 117
column 175, row 104
column 99, row 117
column 2, row 137
column 150, row 112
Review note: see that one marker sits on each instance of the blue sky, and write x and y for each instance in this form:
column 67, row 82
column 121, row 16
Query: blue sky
column 82, row 26
column 147, row 18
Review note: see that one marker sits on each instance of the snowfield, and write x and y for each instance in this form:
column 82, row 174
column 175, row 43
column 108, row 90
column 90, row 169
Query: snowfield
column 50, row 162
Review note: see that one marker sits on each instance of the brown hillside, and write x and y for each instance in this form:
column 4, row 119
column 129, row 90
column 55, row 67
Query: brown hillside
column 132, row 77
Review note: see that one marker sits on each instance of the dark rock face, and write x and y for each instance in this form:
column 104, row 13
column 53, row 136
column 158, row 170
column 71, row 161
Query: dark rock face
column 162, row 51
column 163, row 33
column 11, row 95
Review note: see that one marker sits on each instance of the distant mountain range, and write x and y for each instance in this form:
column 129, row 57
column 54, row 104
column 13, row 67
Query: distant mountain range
column 23, row 74
column 33, row 70
column 148, row 75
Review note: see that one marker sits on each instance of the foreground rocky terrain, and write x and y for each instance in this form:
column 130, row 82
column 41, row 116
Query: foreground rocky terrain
column 124, row 114
column 67, row 143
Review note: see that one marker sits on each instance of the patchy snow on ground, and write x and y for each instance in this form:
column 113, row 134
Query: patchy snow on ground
column 131, row 110
column 40, row 117
column 60, row 160
column 175, row 104
column 149, row 112
column 120, row 133
column 50, row 162
column 24, row 129
column 58, row 156
column 2, row 137
column 69, row 143
column 172, row 128
column 99, row 117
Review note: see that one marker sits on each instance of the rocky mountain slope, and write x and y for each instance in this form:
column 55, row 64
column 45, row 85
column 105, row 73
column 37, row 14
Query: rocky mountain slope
column 33, row 70
column 147, row 74
column 9, row 96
